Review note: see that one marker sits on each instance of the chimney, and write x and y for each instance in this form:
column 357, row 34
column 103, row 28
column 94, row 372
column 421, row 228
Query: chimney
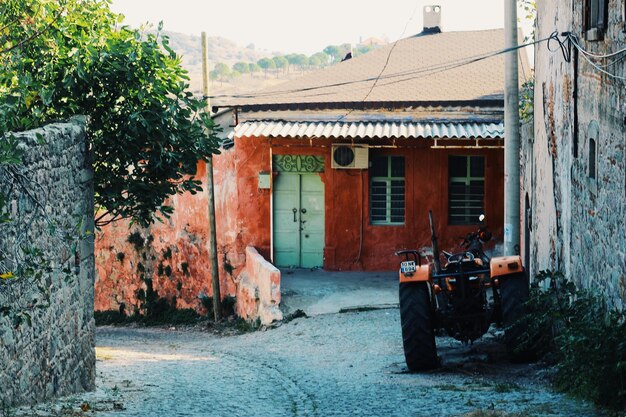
column 432, row 19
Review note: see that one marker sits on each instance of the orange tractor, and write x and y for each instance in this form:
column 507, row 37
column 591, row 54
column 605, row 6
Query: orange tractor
column 463, row 297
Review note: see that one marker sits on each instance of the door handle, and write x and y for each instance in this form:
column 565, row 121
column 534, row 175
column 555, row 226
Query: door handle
column 295, row 210
column 303, row 211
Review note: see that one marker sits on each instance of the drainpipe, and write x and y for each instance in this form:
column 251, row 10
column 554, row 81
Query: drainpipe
column 511, row 134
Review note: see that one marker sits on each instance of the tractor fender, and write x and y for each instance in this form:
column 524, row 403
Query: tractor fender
column 505, row 265
column 421, row 274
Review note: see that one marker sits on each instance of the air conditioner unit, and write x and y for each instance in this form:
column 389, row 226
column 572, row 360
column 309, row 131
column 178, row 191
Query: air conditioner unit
column 350, row 156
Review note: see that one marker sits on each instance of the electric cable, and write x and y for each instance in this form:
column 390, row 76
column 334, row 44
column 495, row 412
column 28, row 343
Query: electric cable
column 433, row 69
column 591, row 54
column 588, row 57
column 386, row 62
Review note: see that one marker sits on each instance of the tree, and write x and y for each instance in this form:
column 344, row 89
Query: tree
column 221, row 71
column 253, row 68
column 241, row 67
column 266, row 64
column 318, row 60
column 147, row 131
column 281, row 62
column 334, row 53
column 300, row 60
column 363, row 49
column 291, row 58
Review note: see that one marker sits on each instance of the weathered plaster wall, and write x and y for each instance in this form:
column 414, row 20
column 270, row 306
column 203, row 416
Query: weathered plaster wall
column 52, row 210
column 173, row 254
column 258, row 289
column 578, row 222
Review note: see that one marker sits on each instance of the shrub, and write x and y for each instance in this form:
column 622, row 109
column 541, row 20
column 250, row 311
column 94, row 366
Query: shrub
column 573, row 329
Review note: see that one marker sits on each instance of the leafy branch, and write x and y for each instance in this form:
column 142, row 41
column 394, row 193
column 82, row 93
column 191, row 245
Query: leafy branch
column 147, row 131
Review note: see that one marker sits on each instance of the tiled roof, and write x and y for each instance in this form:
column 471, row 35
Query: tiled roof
column 416, row 70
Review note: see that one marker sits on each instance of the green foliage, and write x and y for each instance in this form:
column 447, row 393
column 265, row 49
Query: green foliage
column 221, row 71
column 573, row 329
column 9, row 155
column 280, row 62
column 334, row 53
column 34, row 270
column 267, row 64
column 253, row 67
column 363, row 49
column 318, row 60
column 527, row 100
column 530, row 14
column 69, row 57
column 241, row 67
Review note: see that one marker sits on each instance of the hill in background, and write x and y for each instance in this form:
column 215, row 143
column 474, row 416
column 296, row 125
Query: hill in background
column 226, row 55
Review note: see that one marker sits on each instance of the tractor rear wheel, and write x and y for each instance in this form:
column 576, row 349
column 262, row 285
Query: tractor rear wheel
column 416, row 317
column 514, row 291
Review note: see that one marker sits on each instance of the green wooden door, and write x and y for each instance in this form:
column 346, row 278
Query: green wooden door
column 298, row 220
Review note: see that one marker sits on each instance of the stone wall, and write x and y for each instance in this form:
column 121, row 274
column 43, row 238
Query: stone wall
column 576, row 221
column 46, row 321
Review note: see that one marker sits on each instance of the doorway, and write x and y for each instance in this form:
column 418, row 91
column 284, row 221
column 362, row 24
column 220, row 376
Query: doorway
column 298, row 220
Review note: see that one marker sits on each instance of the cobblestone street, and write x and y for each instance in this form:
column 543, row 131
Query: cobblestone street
column 329, row 365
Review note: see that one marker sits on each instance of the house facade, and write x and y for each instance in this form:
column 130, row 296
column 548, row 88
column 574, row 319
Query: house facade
column 351, row 194
column 342, row 166
column 574, row 162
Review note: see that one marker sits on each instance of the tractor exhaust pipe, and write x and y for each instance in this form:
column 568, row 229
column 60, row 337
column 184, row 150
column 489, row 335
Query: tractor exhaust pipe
column 433, row 237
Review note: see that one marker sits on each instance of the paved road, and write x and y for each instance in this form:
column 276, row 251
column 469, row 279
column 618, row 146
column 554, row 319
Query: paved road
column 347, row 364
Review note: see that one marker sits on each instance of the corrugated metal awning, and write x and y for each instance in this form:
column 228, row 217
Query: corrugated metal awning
column 370, row 130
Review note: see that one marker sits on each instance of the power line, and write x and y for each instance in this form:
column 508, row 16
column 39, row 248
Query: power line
column 588, row 56
column 409, row 74
column 386, row 61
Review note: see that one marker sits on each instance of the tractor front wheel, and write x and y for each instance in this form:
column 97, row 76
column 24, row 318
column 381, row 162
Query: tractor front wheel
column 416, row 317
column 514, row 292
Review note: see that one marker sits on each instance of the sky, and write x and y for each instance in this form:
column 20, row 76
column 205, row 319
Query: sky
column 290, row 26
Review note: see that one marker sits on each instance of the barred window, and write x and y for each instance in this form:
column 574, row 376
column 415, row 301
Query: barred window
column 387, row 190
column 466, row 190
column 595, row 19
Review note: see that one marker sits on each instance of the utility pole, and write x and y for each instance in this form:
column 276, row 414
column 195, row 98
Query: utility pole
column 215, row 276
column 511, row 134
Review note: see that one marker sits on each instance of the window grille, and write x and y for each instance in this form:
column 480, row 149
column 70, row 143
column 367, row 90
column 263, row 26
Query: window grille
column 466, row 189
column 387, row 190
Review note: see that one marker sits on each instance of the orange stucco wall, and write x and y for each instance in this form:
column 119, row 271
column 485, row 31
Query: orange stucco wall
column 175, row 255
column 243, row 219
column 347, row 202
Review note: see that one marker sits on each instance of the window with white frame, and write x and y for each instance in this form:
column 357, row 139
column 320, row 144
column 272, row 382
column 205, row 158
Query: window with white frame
column 387, row 190
column 466, row 189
